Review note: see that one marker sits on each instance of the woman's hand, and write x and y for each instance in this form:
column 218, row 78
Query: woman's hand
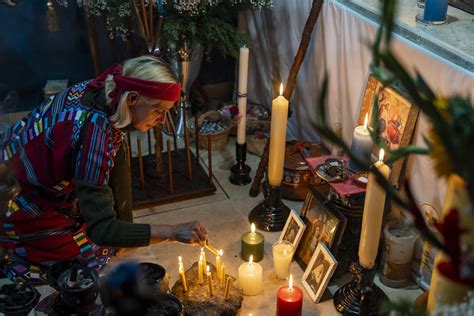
column 190, row 233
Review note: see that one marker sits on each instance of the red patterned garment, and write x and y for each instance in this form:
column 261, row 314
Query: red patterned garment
column 42, row 225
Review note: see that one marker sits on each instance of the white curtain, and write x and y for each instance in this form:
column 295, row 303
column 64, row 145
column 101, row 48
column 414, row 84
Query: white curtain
column 340, row 45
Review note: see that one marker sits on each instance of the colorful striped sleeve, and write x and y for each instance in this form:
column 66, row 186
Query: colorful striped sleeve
column 94, row 160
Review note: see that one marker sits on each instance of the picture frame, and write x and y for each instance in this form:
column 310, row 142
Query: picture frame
column 293, row 230
column 319, row 271
column 323, row 224
column 397, row 120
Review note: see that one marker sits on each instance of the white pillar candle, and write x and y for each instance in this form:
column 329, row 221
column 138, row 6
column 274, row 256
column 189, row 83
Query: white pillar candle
column 282, row 254
column 372, row 218
column 242, row 94
column 218, row 264
column 250, row 277
column 277, row 139
column 361, row 144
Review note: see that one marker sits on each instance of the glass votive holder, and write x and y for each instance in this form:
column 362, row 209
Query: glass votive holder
column 282, row 254
column 399, row 242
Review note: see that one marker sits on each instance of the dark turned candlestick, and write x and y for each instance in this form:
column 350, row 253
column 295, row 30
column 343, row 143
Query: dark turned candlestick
column 360, row 296
column 271, row 214
column 240, row 171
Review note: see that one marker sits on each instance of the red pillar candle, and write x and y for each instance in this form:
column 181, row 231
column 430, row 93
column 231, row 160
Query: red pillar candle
column 290, row 300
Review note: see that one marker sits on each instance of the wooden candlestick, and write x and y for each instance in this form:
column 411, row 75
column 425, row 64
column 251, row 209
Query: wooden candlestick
column 209, row 156
column 170, row 166
column 140, row 163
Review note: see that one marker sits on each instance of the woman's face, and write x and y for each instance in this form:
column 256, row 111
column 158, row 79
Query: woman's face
column 146, row 115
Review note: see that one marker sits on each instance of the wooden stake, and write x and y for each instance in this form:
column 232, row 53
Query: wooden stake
column 188, row 151
column 209, row 156
column 196, row 136
column 148, row 135
column 129, row 158
column 145, row 20
column 129, row 141
column 170, row 166
column 140, row 163
column 150, row 10
column 158, row 148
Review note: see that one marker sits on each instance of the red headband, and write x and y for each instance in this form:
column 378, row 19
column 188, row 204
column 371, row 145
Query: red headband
column 153, row 89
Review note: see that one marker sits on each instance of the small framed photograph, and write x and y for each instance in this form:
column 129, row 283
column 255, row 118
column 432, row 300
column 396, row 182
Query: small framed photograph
column 293, row 230
column 319, row 272
column 323, row 224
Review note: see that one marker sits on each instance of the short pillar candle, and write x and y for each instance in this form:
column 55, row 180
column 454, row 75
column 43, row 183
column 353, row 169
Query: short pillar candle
column 251, row 277
column 252, row 244
column 289, row 300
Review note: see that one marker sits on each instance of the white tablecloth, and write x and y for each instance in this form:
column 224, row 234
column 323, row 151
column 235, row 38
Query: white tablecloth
column 340, row 45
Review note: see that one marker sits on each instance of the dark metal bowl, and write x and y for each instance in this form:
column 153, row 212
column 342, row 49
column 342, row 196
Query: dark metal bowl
column 154, row 277
column 166, row 305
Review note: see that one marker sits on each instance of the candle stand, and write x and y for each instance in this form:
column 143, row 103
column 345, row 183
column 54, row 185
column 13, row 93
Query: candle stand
column 360, row 296
column 271, row 214
column 240, row 171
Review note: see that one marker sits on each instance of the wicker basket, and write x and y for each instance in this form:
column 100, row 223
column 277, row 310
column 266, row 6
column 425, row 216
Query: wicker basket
column 255, row 112
column 218, row 140
column 256, row 145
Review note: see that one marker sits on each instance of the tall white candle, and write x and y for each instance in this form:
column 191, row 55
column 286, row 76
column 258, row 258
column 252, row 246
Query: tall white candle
column 372, row 217
column 250, row 277
column 277, row 139
column 361, row 144
column 242, row 94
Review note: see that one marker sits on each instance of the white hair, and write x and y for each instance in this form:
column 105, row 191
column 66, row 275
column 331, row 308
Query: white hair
column 145, row 68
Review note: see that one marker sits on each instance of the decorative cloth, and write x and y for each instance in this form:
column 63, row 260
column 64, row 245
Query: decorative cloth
column 153, row 89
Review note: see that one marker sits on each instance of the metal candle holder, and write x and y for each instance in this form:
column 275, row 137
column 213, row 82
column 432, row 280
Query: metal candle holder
column 240, row 171
column 271, row 214
column 360, row 296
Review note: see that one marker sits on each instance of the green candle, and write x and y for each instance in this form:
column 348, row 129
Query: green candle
column 252, row 244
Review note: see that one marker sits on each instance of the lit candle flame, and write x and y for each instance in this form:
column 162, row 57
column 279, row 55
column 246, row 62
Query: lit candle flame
column 221, row 252
column 180, row 259
column 251, row 259
column 252, row 228
column 202, row 249
column 208, row 269
column 366, row 120
column 381, row 154
column 290, row 286
column 281, row 88
column 200, row 258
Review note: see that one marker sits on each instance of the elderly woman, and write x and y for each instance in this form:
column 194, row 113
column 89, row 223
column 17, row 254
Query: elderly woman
column 68, row 156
